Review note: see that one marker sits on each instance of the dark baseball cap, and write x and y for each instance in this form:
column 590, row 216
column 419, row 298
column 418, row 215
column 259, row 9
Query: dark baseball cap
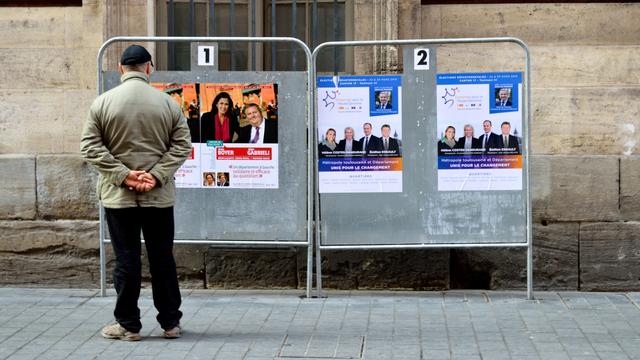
column 134, row 55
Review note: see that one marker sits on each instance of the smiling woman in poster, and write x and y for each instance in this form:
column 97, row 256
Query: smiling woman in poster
column 446, row 144
column 220, row 123
column 328, row 145
column 209, row 179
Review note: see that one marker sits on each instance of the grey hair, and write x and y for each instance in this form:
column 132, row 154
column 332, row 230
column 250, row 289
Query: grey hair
column 136, row 67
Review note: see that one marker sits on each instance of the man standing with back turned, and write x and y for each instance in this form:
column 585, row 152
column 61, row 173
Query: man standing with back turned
column 137, row 137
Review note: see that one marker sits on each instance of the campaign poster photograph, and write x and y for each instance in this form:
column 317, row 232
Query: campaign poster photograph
column 479, row 129
column 234, row 134
column 360, row 134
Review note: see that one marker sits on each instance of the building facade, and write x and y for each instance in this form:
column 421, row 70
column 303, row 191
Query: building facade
column 585, row 112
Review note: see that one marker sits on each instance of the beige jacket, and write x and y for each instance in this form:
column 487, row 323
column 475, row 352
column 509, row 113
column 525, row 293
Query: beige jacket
column 135, row 127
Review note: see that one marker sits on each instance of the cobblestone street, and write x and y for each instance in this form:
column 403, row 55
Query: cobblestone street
column 65, row 324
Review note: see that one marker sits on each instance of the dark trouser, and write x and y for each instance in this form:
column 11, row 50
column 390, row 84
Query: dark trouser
column 158, row 229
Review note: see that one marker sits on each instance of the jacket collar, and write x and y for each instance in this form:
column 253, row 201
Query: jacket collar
column 134, row 75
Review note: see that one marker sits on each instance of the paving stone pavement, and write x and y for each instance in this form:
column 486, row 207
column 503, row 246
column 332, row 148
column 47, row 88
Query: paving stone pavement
column 259, row 325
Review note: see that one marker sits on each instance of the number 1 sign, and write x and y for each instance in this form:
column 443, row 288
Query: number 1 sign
column 205, row 56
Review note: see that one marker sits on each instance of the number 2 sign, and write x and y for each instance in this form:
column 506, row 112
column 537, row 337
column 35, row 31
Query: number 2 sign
column 421, row 59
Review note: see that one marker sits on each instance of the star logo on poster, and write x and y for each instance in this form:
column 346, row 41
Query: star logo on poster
column 449, row 96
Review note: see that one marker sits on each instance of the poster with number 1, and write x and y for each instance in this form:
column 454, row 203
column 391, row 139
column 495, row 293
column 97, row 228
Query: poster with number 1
column 234, row 134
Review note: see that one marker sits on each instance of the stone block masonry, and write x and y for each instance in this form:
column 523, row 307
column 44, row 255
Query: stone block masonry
column 52, row 239
column 585, row 164
column 18, row 190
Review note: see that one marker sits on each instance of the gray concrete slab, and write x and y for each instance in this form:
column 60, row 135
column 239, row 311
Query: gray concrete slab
column 279, row 324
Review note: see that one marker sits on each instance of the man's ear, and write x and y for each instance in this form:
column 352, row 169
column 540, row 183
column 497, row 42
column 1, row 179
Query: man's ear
column 120, row 68
column 147, row 69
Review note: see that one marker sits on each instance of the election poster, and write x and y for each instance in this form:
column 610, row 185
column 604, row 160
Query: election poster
column 479, row 129
column 234, row 135
column 360, row 134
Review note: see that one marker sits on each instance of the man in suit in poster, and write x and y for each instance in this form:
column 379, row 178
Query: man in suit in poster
column 390, row 146
column 260, row 130
column 503, row 98
column 222, row 179
column 489, row 140
column 507, row 142
column 369, row 141
column 384, row 100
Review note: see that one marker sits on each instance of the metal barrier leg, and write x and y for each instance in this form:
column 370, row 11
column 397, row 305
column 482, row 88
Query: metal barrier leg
column 103, row 264
column 530, row 271
column 318, row 271
column 309, row 268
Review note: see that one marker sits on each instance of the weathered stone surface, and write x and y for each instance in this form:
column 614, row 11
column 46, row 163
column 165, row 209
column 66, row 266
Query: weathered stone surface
column 40, row 236
column 555, row 262
column 431, row 22
column 50, row 47
column 585, row 121
column 17, row 193
column 555, row 256
column 497, row 268
column 49, row 253
column 575, row 188
column 33, row 27
column 62, row 112
column 52, row 27
column 410, row 19
column 128, row 18
column 630, row 188
column 87, row 73
column 63, row 68
column 575, row 66
column 371, row 15
column 609, row 256
column 60, row 269
column 252, row 268
column 580, row 23
column 460, row 58
column 551, row 66
column 91, row 17
column 190, row 263
column 31, row 121
column 66, row 188
column 401, row 269
column 76, row 108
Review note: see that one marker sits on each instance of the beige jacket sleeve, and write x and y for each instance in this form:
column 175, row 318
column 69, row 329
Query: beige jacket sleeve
column 179, row 148
column 96, row 153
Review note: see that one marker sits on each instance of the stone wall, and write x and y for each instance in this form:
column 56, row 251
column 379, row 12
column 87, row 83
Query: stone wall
column 585, row 86
column 584, row 169
column 48, row 228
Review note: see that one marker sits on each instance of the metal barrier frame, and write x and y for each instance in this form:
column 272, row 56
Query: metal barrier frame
column 310, row 166
column 525, row 155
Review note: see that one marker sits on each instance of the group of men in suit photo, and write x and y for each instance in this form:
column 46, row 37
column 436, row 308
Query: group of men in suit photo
column 368, row 145
column 487, row 143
